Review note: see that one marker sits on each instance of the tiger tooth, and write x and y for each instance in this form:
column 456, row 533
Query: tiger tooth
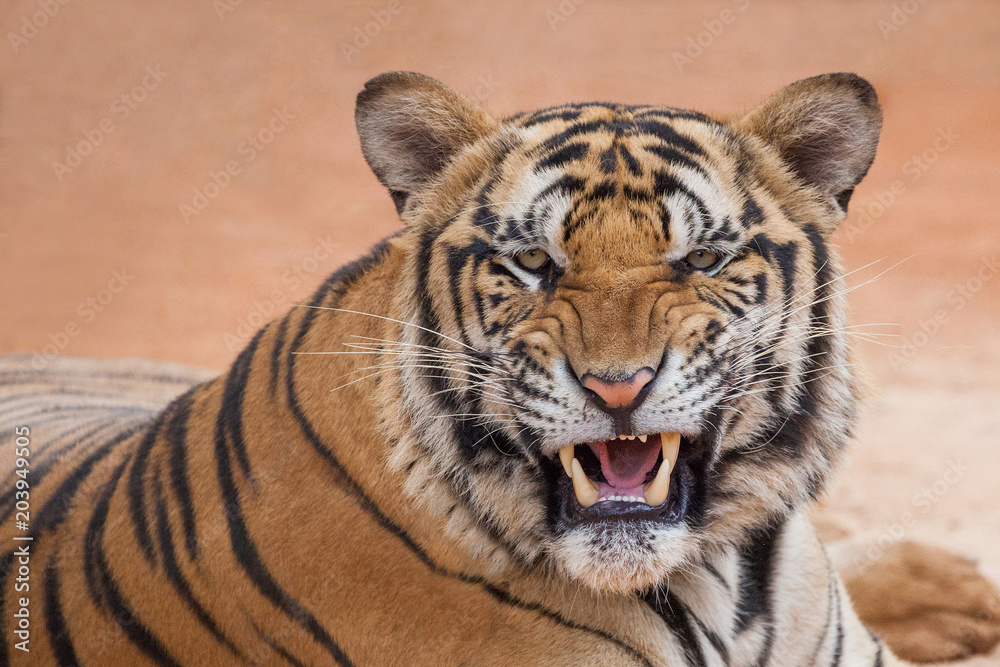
column 566, row 456
column 586, row 494
column 655, row 493
column 671, row 445
column 642, row 438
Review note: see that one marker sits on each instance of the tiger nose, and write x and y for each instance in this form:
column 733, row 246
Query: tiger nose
column 619, row 395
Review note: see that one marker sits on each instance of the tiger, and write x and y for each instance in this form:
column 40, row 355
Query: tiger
column 577, row 411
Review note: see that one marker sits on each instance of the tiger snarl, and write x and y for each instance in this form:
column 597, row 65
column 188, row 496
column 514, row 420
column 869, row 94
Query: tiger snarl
column 575, row 412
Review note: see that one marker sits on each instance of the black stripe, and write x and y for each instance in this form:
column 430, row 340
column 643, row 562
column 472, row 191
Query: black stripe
column 103, row 588
column 713, row 638
column 277, row 648
column 668, row 134
column 176, row 577
column 830, row 585
column 229, row 425
column 559, row 158
column 5, row 567
column 757, row 563
column 838, row 647
column 676, row 616
column 55, row 622
column 177, row 433
column 42, row 469
column 674, row 156
column 276, row 349
column 137, row 488
column 712, row 570
column 879, row 649
column 243, row 545
column 57, row 505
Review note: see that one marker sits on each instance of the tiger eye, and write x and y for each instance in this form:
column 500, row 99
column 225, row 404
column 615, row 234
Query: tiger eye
column 702, row 259
column 534, row 260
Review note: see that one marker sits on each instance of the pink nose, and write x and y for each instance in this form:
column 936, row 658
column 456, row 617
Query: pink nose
column 618, row 394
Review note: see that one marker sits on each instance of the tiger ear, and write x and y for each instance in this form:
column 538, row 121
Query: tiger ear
column 411, row 126
column 825, row 128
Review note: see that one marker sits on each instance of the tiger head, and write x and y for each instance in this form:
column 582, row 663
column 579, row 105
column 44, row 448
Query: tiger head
column 625, row 342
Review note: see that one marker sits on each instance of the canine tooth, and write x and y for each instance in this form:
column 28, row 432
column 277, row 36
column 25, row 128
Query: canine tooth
column 656, row 491
column 586, row 494
column 642, row 438
column 566, row 456
column 670, row 443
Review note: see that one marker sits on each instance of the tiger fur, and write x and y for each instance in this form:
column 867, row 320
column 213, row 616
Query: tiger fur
column 376, row 479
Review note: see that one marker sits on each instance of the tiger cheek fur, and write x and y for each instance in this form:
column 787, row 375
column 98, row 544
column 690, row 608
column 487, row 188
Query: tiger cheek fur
column 748, row 358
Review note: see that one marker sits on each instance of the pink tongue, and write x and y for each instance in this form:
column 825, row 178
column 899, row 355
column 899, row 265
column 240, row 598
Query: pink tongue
column 625, row 463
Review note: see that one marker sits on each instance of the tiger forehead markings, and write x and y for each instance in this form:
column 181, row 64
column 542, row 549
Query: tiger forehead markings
column 745, row 351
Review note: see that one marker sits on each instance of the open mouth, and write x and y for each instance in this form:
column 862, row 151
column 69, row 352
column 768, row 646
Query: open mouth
column 650, row 477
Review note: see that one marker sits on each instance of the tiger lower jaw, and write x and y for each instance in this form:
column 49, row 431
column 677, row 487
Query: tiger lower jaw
column 623, row 506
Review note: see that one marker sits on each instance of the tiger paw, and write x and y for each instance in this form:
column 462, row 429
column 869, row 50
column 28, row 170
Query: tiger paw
column 927, row 604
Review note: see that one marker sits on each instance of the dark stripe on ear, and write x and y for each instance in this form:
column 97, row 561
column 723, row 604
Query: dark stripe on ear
column 177, row 442
column 244, row 548
column 103, row 587
column 176, row 576
column 55, row 622
column 676, row 616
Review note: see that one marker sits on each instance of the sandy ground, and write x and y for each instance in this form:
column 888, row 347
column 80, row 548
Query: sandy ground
column 114, row 114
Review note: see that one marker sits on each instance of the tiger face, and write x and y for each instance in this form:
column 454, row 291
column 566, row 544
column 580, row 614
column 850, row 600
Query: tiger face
column 624, row 342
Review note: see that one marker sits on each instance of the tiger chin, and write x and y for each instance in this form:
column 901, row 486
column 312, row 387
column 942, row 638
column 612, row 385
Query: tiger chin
column 575, row 412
